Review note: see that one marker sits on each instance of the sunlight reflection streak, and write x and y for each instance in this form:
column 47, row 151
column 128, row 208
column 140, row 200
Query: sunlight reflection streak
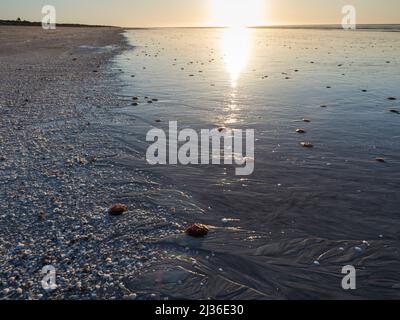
column 236, row 47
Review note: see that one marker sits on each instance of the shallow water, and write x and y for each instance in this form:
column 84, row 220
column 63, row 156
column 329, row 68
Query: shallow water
column 304, row 213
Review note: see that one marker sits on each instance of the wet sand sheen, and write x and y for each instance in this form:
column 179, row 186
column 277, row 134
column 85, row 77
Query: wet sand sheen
column 327, row 159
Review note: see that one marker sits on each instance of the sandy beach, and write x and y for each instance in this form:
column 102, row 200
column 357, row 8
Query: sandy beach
column 56, row 180
column 75, row 106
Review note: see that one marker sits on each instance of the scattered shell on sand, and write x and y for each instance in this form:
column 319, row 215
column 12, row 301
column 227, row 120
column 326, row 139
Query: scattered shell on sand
column 42, row 216
column 197, row 230
column 118, row 209
column 307, row 144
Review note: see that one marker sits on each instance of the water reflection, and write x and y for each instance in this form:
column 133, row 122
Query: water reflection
column 231, row 109
column 236, row 47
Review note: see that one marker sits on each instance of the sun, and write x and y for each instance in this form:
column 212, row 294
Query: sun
column 237, row 13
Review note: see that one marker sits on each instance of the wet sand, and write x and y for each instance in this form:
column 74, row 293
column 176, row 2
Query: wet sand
column 71, row 146
column 286, row 231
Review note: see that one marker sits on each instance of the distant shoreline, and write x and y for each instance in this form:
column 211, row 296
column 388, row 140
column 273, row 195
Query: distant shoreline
column 26, row 23
column 395, row 27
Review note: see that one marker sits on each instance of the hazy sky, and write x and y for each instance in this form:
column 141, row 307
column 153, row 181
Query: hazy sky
column 142, row 13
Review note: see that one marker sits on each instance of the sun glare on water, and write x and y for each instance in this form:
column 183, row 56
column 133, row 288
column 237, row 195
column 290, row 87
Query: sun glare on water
column 237, row 13
column 236, row 42
column 236, row 45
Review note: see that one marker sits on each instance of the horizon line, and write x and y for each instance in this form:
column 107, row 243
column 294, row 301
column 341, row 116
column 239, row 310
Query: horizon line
column 259, row 26
column 202, row 27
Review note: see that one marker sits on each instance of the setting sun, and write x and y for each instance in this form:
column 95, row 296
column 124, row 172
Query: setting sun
column 237, row 13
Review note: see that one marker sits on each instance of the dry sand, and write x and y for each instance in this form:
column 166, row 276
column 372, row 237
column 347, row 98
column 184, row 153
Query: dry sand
column 57, row 178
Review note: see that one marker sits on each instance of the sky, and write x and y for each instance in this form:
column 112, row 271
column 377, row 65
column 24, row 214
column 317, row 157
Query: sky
column 179, row 13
